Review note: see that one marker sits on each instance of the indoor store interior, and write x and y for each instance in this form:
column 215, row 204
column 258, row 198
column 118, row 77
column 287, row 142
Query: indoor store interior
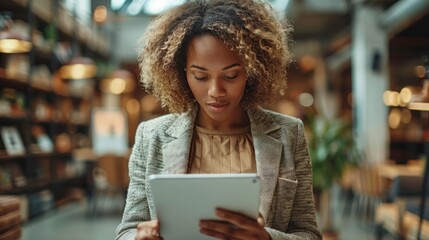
column 71, row 101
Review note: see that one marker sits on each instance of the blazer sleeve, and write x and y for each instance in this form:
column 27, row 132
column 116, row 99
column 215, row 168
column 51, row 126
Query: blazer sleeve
column 136, row 207
column 302, row 223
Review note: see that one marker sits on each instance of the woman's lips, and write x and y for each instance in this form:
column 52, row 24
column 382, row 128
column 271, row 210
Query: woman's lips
column 217, row 107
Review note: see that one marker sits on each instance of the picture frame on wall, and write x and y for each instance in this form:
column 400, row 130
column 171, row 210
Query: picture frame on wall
column 12, row 141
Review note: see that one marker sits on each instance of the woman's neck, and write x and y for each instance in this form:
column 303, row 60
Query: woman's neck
column 241, row 120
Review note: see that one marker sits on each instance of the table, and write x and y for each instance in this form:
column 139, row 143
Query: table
column 390, row 171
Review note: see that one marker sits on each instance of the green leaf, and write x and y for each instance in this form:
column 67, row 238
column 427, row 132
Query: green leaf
column 332, row 148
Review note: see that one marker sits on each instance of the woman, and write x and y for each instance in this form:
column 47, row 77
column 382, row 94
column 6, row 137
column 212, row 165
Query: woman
column 211, row 63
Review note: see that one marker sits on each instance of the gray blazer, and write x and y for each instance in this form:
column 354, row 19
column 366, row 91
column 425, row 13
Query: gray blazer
column 282, row 161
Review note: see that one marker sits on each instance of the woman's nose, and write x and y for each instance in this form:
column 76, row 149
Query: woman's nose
column 216, row 88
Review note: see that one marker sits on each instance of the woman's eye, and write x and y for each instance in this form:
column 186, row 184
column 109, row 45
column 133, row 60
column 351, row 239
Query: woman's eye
column 200, row 78
column 231, row 76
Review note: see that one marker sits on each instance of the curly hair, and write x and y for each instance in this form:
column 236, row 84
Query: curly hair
column 249, row 27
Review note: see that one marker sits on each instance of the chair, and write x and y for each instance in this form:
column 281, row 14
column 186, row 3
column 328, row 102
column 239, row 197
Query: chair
column 393, row 216
column 110, row 181
column 367, row 187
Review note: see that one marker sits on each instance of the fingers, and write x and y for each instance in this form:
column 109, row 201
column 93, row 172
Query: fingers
column 225, row 230
column 261, row 220
column 239, row 220
column 148, row 225
column 145, row 236
column 234, row 226
column 148, row 230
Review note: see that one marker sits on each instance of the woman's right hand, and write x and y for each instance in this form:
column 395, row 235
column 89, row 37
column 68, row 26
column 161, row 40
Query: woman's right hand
column 148, row 230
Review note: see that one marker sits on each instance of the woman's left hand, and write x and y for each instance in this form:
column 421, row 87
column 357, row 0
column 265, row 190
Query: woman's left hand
column 234, row 226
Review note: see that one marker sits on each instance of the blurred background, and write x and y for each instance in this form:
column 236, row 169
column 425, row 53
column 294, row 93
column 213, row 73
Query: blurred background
column 70, row 103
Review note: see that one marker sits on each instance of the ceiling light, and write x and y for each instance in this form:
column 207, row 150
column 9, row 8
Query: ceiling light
column 78, row 68
column 11, row 42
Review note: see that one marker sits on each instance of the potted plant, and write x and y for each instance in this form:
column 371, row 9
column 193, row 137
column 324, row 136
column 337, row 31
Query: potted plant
column 332, row 149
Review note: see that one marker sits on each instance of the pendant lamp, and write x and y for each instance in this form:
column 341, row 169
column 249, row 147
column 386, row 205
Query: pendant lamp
column 118, row 82
column 78, row 68
column 11, row 42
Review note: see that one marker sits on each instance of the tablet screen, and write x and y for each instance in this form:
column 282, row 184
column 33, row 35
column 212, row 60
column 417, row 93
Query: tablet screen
column 182, row 200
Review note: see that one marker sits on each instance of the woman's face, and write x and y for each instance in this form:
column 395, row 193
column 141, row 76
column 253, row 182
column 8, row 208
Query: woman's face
column 217, row 79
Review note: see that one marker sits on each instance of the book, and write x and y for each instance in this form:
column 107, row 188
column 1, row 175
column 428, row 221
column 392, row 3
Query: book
column 9, row 220
column 8, row 204
column 13, row 233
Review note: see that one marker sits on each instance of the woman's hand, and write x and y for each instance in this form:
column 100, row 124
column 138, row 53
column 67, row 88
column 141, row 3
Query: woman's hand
column 234, row 226
column 148, row 230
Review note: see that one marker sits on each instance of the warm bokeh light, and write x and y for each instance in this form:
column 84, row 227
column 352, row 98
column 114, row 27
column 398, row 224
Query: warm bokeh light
column 306, row 99
column 391, row 98
column 405, row 94
column 406, row 116
column 133, row 106
column 394, row 118
column 14, row 46
column 117, row 86
column 307, row 63
column 78, row 68
column 386, row 95
column 118, row 82
column 100, row 14
column 420, row 71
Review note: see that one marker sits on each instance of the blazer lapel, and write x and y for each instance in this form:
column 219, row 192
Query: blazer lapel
column 268, row 150
column 176, row 151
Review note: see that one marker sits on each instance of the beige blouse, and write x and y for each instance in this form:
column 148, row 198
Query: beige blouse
column 222, row 152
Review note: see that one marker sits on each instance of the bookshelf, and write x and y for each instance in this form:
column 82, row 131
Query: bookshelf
column 44, row 118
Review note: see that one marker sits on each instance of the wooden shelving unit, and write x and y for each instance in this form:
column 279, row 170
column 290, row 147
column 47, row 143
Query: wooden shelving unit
column 50, row 119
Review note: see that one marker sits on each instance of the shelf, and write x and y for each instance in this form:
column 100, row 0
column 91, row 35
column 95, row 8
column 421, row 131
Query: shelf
column 67, row 180
column 66, row 23
column 19, row 84
column 36, row 155
column 61, row 123
column 13, row 158
column 35, row 186
column 42, row 89
column 62, row 110
column 40, row 184
column 13, row 120
column 52, row 155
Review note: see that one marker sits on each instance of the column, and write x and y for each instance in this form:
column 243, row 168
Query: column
column 369, row 81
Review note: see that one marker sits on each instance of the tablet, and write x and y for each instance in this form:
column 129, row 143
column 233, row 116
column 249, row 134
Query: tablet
column 182, row 200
